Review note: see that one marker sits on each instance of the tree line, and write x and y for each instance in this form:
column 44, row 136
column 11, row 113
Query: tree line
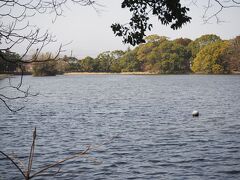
column 208, row 54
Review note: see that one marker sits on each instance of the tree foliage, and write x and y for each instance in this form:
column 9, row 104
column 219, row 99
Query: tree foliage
column 183, row 41
column 164, row 56
column 88, row 64
column 129, row 62
column 158, row 55
column 199, row 43
column 44, row 68
column 168, row 12
column 9, row 65
column 211, row 60
column 171, row 57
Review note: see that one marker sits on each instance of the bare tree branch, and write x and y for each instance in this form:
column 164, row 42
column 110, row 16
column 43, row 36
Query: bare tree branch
column 214, row 8
column 15, row 164
column 16, row 30
column 27, row 175
column 85, row 152
column 31, row 155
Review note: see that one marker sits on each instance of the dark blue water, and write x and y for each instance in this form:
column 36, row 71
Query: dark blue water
column 144, row 121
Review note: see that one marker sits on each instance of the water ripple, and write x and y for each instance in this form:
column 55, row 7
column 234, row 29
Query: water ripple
column 155, row 136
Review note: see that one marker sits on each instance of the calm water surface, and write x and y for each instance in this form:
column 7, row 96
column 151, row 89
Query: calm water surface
column 146, row 118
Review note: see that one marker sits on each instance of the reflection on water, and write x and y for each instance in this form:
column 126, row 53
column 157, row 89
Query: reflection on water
column 156, row 136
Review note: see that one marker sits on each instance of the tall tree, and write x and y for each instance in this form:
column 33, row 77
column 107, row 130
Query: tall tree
column 211, row 59
column 105, row 61
column 199, row 43
column 89, row 64
column 171, row 57
column 144, row 54
column 44, row 68
column 129, row 62
column 9, row 66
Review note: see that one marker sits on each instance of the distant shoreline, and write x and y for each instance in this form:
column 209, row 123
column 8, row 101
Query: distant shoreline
column 142, row 73
column 4, row 76
column 105, row 73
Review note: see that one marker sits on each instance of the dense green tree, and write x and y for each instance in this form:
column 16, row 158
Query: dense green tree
column 199, row 43
column 161, row 55
column 62, row 66
column 211, row 59
column 44, row 68
column 105, row 61
column 8, row 65
column 170, row 57
column 117, row 54
column 45, row 65
column 129, row 62
column 115, row 64
column 88, row 64
column 144, row 51
column 73, row 63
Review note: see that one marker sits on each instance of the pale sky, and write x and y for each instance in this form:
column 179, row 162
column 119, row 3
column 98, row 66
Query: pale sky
column 91, row 34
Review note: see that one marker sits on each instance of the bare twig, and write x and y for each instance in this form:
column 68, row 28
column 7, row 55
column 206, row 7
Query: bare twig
column 30, row 160
column 86, row 151
column 20, row 163
column 214, row 8
column 15, row 31
column 27, row 175
column 15, row 164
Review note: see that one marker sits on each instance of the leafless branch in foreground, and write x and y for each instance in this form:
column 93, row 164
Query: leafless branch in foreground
column 214, row 8
column 22, row 95
column 16, row 30
column 26, row 172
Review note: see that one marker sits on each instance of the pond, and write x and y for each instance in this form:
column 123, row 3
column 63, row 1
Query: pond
column 141, row 127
